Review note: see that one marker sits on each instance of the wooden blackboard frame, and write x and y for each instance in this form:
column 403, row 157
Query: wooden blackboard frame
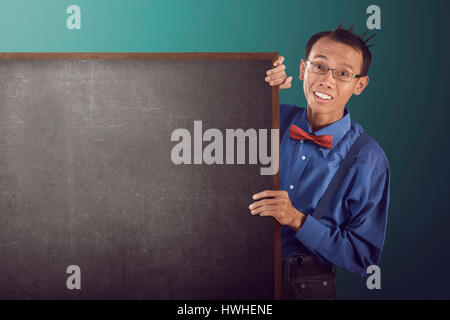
column 183, row 55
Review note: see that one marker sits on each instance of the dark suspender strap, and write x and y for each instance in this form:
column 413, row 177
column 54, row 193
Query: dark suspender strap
column 337, row 180
column 288, row 121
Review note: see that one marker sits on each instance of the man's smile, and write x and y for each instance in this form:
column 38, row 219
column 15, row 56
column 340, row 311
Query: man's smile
column 321, row 96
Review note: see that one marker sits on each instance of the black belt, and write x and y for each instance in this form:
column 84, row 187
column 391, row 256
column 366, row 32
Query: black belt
column 303, row 266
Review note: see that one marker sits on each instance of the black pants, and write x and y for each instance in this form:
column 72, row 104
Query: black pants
column 305, row 278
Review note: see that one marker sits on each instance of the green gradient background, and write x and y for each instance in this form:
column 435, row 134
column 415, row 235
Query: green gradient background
column 403, row 108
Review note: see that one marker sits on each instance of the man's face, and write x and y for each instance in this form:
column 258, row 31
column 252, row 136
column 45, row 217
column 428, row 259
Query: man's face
column 334, row 55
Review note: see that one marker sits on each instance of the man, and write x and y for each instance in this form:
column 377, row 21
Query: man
column 351, row 231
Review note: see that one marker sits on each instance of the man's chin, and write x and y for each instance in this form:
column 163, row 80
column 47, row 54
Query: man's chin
column 320, row 108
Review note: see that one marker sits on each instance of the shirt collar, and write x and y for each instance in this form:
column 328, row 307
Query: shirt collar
column 337, row 129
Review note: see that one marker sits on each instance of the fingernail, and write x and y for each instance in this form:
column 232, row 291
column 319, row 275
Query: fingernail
column 250, row 206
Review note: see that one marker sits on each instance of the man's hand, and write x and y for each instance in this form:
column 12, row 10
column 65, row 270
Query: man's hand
column 277, row 75
column 279, row 207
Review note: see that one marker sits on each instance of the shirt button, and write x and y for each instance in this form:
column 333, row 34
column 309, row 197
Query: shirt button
column 303, row 157
column 302, row 286
column 301, row 141
column 325, row 283
column 291, row 187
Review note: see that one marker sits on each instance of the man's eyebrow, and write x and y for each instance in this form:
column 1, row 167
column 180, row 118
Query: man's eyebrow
column 324, row 57
column 347, row 65
column 320, row 56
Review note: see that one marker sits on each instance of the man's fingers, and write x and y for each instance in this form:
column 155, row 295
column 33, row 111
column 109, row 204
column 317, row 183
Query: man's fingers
column 277, row 82
column 275, row 76
column 269, row 79
column 269, row 213
column 265, row 194
column 278, row 61
column 276, row 70
column 262, row 210
column 263, row 202
column 287, row 83
column 278, row 75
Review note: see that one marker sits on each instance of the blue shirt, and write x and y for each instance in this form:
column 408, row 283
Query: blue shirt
column 351, row 233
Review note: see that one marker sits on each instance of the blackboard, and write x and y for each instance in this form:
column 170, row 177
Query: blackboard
column 87, row 179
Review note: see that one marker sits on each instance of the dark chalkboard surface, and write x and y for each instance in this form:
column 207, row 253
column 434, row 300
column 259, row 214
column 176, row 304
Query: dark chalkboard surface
column 86, row 177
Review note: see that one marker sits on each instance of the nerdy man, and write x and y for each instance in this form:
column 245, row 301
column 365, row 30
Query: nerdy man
column 334, row 195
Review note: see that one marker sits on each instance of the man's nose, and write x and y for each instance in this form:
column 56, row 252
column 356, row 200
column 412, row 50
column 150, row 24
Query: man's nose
column 327, row 80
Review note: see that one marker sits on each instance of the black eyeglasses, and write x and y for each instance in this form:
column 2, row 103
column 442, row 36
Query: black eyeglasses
column 339, row 74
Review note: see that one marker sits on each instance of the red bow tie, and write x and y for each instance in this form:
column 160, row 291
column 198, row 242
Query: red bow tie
column 325, row 141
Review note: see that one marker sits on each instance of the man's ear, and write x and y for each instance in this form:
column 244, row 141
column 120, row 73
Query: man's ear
column 302, row 69
column 361, row 85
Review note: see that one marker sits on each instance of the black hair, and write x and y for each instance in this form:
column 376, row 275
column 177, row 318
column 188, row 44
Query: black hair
column 347, row 37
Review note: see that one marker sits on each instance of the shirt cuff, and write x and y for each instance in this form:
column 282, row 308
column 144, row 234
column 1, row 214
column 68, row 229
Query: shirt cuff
column 311, row 233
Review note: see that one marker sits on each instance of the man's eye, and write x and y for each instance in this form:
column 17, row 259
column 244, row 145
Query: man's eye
column 344, row 74
column 319, row 66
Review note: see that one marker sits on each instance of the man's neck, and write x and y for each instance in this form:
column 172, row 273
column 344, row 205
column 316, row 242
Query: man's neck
column 319, row 120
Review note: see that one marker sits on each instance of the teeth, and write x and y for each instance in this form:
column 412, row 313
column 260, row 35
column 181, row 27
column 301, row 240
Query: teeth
column 322, row 95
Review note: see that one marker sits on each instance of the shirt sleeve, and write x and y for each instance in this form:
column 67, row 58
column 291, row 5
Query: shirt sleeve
column 357, row 243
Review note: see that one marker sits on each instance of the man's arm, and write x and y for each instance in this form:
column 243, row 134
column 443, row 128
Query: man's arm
column 354, row 245
column 359, row 242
